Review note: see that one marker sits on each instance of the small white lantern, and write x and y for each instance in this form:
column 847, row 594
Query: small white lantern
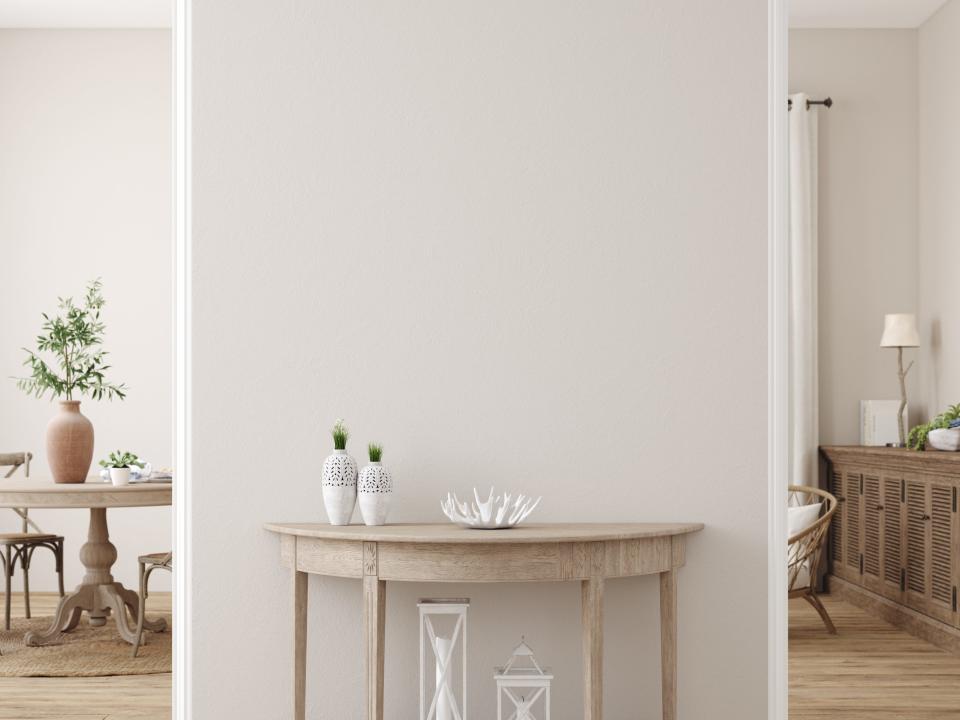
column 442, row 624
column 523, row 682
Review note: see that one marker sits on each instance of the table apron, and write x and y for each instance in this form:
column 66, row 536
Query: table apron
column 494, row 562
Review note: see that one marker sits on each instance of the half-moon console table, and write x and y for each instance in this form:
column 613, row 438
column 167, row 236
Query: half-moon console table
column 590, row 553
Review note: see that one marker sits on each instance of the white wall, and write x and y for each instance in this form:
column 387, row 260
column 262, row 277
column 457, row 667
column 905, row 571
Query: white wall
column 517, row 243
column 868, row 211
column 85, row 192
column 939, row 206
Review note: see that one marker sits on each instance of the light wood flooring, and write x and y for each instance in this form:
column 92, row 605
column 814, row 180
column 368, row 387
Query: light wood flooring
column 870, row 670
column 132, row 697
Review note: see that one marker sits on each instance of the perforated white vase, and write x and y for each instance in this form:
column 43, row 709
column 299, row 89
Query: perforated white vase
column 339, row 487
column 375, row 492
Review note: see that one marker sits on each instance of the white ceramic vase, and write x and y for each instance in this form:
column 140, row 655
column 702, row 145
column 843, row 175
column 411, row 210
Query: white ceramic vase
column 375, row 491
column 339, row 487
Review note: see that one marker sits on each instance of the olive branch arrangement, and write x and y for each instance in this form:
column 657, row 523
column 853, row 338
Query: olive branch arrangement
column 74, row 338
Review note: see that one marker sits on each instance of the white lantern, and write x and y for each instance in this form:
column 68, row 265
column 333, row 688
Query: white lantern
column 523, row 682
column 443, row 623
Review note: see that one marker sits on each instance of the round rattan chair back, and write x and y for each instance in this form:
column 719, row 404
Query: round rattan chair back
column 805, row 548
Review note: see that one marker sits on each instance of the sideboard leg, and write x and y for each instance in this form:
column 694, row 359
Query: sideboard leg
column 374, row 625
column 299, row 645
column 668, row 642
column 591, row 606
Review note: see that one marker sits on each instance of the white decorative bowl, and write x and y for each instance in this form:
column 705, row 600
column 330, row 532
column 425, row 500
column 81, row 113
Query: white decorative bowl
column 945, row 439
column 494, row 513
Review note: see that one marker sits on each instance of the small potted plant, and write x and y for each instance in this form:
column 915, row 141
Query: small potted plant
column 375, row 488
column 941, row 433
column 339, row 479
column 73, row 340
column 119, row 464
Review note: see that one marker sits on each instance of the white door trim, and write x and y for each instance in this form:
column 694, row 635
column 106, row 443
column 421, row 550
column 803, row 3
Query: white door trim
column 182, row 669
column 778, row 420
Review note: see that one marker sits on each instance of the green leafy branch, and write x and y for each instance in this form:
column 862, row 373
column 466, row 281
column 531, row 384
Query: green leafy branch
column 74, row 339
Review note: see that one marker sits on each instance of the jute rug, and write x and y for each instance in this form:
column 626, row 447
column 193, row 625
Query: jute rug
column 84, row 652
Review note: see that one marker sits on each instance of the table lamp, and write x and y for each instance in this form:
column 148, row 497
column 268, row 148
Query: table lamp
column 900, row 331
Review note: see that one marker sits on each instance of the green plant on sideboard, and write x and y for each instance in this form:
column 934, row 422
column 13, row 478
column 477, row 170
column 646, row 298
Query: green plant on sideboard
column 917, row 440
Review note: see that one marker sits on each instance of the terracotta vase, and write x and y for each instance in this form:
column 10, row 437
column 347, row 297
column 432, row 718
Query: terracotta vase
column 69, row 444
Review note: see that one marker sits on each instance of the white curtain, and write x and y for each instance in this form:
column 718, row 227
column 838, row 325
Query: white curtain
column 804, row 390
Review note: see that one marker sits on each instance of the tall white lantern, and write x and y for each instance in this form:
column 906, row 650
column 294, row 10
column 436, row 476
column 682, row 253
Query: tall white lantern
column 524, row 684
column 443, row 624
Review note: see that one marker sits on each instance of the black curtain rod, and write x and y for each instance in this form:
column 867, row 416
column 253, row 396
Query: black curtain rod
column 828, row 103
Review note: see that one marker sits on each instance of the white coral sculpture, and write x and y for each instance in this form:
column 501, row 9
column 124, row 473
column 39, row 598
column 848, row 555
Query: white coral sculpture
column 496, row 512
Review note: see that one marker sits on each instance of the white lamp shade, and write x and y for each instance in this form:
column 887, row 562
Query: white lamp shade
column 900, row 330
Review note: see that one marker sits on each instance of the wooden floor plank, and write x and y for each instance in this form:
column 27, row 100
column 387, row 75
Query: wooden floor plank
column 870, row 670
column 131, row 697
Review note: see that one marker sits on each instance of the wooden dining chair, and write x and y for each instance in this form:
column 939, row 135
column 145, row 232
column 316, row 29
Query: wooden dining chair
column 19, row 547
column 805, row 548
column 148, row 563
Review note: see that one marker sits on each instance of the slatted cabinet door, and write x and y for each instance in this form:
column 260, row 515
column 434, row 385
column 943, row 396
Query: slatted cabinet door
column 894, row 575
column 837, row 525
column 872, row 506
column 943, row 538
column 853, row 535
column 917, row 543
column 931, row 535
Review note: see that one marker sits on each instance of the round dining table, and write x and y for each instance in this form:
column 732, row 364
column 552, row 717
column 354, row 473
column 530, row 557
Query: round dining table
column 98, row 593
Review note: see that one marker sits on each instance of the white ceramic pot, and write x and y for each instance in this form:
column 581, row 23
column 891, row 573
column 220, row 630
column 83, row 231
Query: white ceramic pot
column 339, row 487
column 945, row 439
column 375, row 491
column 120, row 476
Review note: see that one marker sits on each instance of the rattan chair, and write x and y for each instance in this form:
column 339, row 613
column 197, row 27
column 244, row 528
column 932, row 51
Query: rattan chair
column 148, row 563
column 805, row 549
column 19, row 547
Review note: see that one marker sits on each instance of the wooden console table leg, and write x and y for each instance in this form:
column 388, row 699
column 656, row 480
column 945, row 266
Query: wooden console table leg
column 591, row 607
column 668, row 642
column 299, row 645
column 374, row 626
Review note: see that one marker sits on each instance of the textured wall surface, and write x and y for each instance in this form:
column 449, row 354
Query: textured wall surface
column 939, row 209
column 868, row 211
column 518, row 244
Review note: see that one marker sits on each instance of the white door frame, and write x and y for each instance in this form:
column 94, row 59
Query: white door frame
column 182, row 670
column 778, row 415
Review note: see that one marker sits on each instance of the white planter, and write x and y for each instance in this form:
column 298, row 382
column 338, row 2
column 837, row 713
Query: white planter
column 375, row 492
column 339, row 487
column 945, row 439
column 120, row 476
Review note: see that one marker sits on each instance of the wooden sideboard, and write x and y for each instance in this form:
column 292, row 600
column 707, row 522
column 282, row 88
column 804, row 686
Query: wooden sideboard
column 895, row 540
